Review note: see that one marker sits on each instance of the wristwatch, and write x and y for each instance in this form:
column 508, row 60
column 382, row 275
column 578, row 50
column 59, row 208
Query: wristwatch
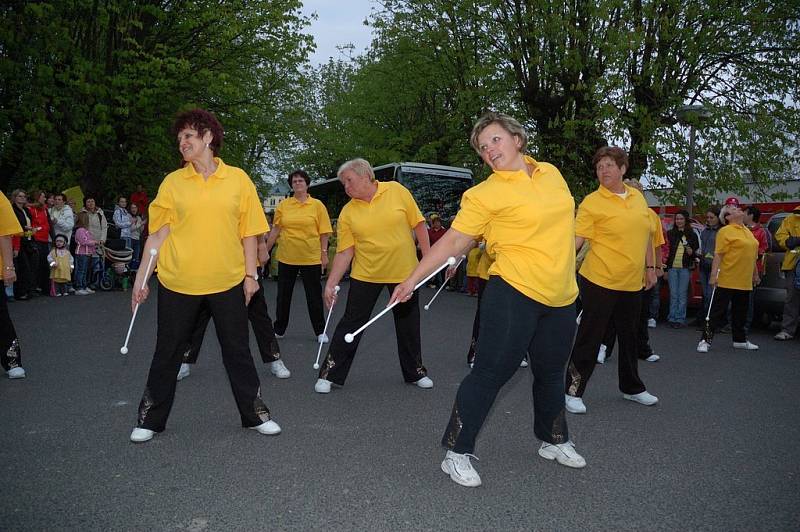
column 253, row 276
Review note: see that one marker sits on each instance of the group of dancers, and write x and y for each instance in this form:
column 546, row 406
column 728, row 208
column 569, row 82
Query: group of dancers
column 207, row 229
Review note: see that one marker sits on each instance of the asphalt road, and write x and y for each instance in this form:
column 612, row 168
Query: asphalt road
column 719, row 452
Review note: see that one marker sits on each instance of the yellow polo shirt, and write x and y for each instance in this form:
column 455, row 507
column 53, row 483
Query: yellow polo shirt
column 618, row 230
column 739, row 250
column 529, row 228
column 301, row 226
column 380, row 231
column 207, row 220
column 9, row 225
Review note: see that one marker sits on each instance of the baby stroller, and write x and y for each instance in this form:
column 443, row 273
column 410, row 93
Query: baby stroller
column 113, row 271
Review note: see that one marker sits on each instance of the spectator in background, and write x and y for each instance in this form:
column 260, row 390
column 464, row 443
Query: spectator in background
column 84, row 253
column 137, row 225
column 25, row 254
column 751, row 217
column 435, row 232
column 61, row 265
column 788, row 238
column 683, row 246
column 708, row 239
column 37, row 206
column 122, row 219
column 139, row 198
column 655, row 302
column 98, row 227
column 62, row 217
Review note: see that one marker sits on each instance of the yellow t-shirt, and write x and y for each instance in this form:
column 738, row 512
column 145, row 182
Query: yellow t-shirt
column 739, row 250
column 484, row 265
column 9, row 225
column 529, row 228
column 655, row 230
column 380, row 230
column 207, row 220
column 301, row 226
column 473, row 259
column 618, row 230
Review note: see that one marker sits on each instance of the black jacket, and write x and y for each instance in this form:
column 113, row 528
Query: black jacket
column 676, row 238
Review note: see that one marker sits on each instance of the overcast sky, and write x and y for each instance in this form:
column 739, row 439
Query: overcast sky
column 339, row 22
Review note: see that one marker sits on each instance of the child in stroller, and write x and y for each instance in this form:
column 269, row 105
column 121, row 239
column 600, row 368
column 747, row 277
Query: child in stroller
column 112, row 271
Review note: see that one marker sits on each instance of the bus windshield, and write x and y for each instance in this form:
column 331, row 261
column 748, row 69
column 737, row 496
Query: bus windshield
column 435, row 192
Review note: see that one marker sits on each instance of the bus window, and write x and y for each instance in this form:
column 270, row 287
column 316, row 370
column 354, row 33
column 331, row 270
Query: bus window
column 435, row 192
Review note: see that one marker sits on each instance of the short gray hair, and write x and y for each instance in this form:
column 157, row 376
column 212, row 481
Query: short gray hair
column 506, row 122
column 359, row 166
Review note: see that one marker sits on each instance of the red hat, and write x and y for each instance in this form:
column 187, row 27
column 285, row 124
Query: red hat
column 732, row 201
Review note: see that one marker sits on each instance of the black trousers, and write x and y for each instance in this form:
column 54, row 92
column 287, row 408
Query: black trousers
column 512, row 325
column 42, row 268
column 361, row 300
column 177, row 318
column 25, row 264
column 739, row 301
column 257, row 313
column 476, row 323
column 642, row 333
column 10, row 353
column 601, row 306
column 287, row 274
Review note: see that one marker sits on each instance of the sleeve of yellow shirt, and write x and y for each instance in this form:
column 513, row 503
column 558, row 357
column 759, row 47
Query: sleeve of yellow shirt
column 413, row 214
column 323, row 220
column 9, row 225
column 252, row 220
column 658, row 234
column 722, row 242
column 584, row 221
column 344, row 236
column 162, row 208
column 472, row 217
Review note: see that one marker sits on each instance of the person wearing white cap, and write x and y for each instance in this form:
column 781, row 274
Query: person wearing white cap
column 733, row 274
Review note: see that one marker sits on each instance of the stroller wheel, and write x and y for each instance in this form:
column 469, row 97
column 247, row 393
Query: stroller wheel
column 107, row 281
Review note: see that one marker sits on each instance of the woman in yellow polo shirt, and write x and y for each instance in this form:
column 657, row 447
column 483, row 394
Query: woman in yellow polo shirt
column 616, row 221
column 524, row 211
column 10, row 355
column 734, row 273
column 203, row 223
column 301, row 226
column 373, row 232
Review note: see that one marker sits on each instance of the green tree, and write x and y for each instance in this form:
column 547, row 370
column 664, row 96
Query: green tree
column 92, row 86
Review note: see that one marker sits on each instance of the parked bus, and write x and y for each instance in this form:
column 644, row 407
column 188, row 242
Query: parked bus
column 435, row 188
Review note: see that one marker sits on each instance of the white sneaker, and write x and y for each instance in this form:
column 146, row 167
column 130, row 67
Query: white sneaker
column 601, row 354
column 745, row 345
column 322, row 339
column 278, row 335
column 783, row 335
column 279, row 369
column 703, row 346
column 574, row 405
column 641, row 398
column 651, row 323
column 322, row 386
column 524, row 363
column 270, row 428
column 89, row 290
column 184, row 372
column 460, row 469
column 81, row 292
column 424, row 382
column 563, row 453
column 653, row 358
column 16, row 373
column 141, row 435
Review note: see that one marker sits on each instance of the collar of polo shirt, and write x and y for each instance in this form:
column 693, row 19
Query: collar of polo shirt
column 191, row 171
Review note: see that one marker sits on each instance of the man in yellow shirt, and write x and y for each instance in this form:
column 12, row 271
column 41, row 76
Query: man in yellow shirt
column 10, row 355
column 374, row 233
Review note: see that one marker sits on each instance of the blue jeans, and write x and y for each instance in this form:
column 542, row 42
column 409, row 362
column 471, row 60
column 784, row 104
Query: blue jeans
column 81, row 270
column 678, row 290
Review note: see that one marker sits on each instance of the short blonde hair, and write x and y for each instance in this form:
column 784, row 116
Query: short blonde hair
column 359, row 166
column 506, row 122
